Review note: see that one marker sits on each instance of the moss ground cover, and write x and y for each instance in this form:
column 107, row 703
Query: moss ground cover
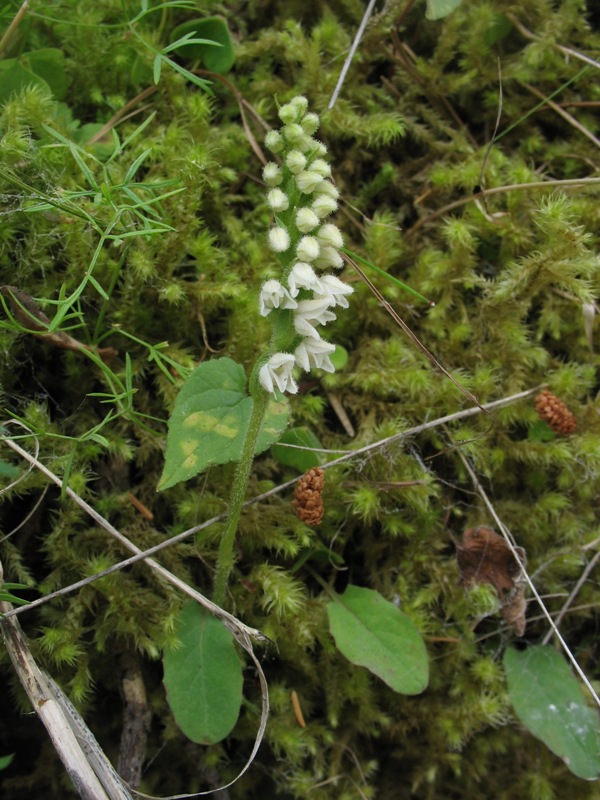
column 134, row 219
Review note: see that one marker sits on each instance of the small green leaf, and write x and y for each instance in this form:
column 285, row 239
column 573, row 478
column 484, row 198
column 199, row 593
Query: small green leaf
column 499, row 27
column 549, row 702
column 371, row 632
column 339, row 357
column 8, row 470
column 156, row 68
column 203, row 677
column 298, row 459
column 540, row 431
column 438, row 9
column 218, row 59
column 210, row 419
column 5, row 761
column 48, row 64
column 14, row 77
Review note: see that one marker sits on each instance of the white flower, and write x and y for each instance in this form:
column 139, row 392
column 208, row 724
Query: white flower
column 314, row 352
column 329, row 257
column 307, row 182
column 329, row 236
column 308, row 248
column 336, row 290
column 274, row 142
column 323, row 205
column 306, row 220
column 274, row 295
column 278, row 200
column 310, row 313
column 303, row 276
column 277, row 372
column 295, row 161
column 279, row 239
column 272, row 175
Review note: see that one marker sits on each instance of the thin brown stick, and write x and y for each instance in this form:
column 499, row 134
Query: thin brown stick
column 16, row 21
column 576, row 589
column 563, row 184
column 568, row 51
column 120, row 114
column 562, row 113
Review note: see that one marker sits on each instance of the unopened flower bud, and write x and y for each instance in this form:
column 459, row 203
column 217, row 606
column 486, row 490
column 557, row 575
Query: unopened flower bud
column 278, row 201
column 306, row 220
column 295, row 161
column 308, row 248
column 288, row 114
column 329, row 236
column 272, row 175
column 307, row 181
column 279, row 239
column 310, row 123
column 274, row 142
column 323, row 206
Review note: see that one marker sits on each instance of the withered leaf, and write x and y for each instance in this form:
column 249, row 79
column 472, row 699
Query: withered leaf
column 485, row 557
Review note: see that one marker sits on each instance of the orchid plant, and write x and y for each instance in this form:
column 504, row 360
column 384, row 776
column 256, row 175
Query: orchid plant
column 214, row 428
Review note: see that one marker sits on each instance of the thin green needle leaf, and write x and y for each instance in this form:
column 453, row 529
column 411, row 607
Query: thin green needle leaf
column 389, row 277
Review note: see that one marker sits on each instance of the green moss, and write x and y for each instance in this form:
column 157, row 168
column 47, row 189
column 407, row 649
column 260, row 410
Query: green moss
column 508, row 274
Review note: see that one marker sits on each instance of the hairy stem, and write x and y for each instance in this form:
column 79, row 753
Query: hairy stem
column 237, row 495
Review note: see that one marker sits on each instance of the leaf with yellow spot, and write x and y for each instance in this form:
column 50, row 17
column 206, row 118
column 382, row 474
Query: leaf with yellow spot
column 210, row 419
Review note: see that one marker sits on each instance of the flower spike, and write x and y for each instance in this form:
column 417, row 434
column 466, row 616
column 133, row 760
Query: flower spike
column 301, row 196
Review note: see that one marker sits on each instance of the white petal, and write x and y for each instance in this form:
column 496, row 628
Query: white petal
column 336, row 290
column 265, row 379
column 303, row 276
column 278, row 371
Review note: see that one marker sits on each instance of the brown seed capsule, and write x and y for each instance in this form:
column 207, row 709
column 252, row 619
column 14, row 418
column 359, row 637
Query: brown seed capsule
column 308, row 500
column 555, row 413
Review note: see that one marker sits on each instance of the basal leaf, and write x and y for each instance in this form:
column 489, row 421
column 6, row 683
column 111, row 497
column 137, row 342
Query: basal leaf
column 203, row 677
column 549, row 702
column 210, row 420
column 371, row 632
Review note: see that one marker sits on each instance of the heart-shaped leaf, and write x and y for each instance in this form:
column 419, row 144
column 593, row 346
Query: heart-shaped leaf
column 203, row 677
column 210, row 420
column 371, row 632
column 549, row 702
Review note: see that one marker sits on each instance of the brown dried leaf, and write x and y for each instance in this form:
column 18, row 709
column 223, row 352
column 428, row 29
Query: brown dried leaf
column 485, row 557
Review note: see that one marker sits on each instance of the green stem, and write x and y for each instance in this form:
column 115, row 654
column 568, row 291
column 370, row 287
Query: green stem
column 237, row 495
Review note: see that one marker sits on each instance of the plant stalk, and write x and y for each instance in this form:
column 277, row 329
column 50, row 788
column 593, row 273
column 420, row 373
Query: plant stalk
column 237, row 495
